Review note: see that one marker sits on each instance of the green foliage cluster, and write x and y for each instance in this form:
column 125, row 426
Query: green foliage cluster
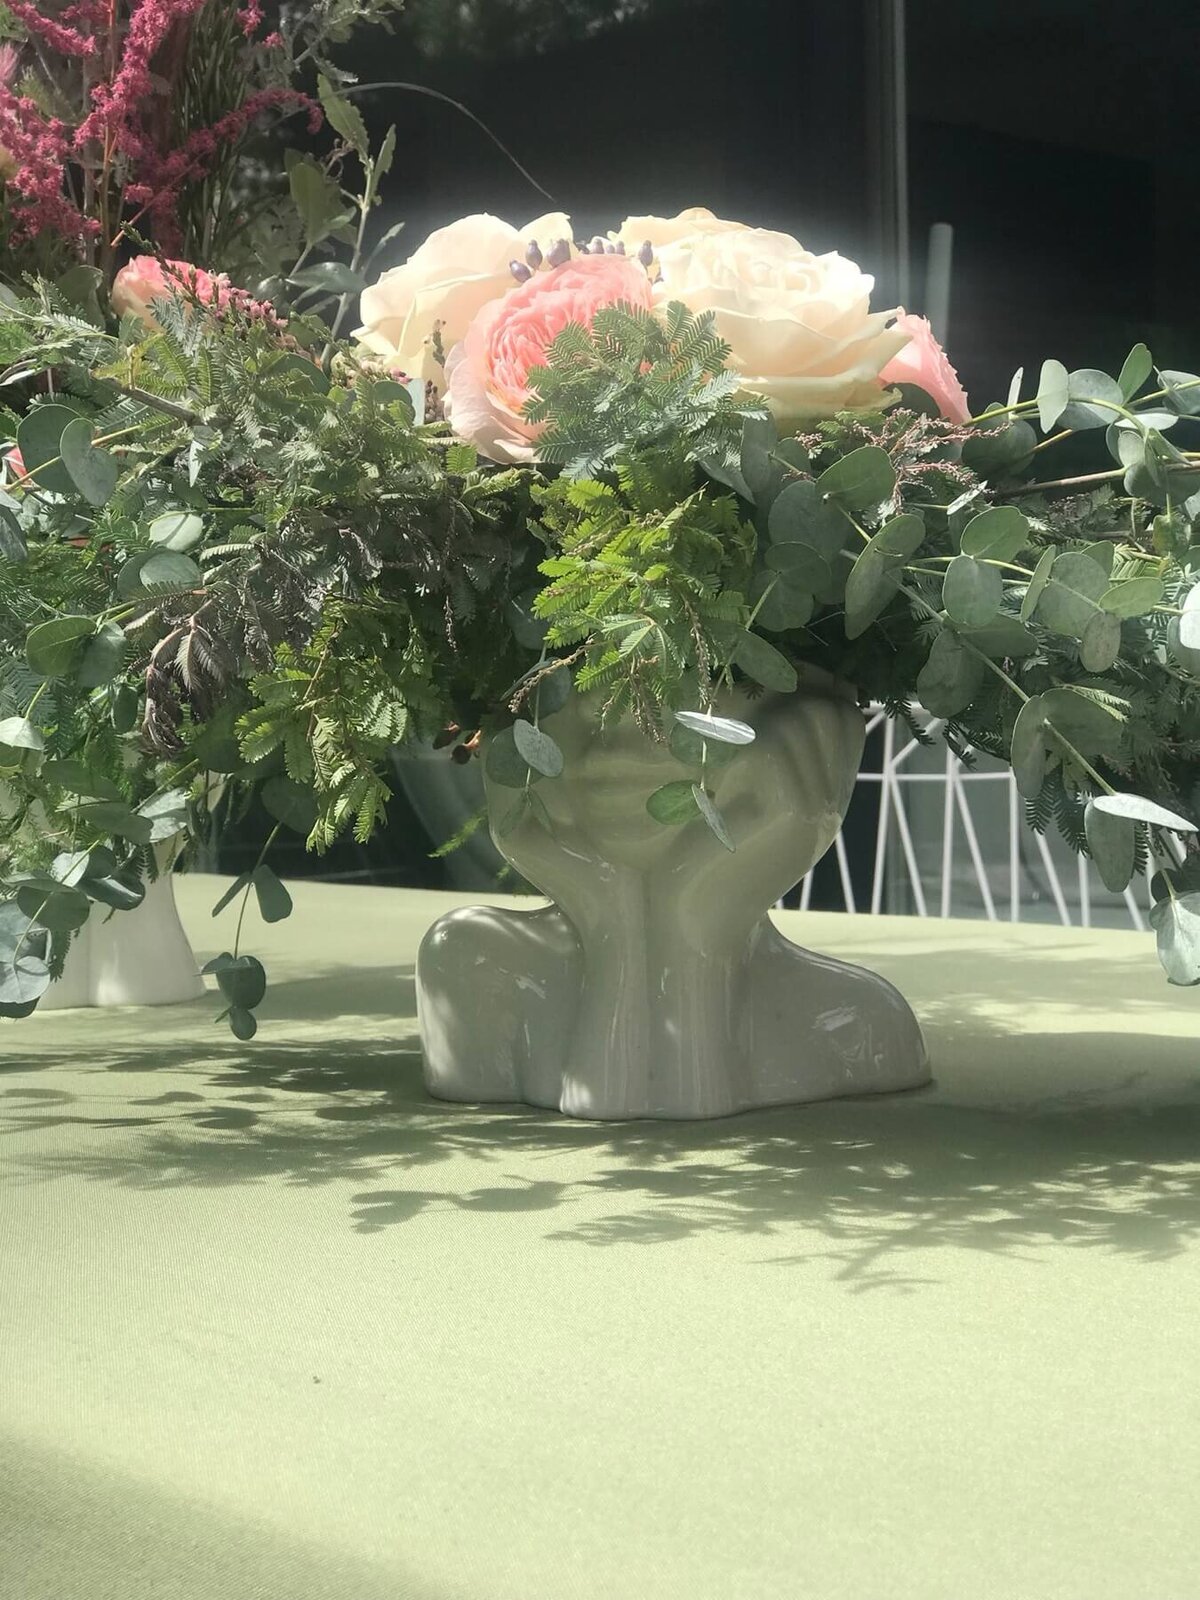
column 236, row 569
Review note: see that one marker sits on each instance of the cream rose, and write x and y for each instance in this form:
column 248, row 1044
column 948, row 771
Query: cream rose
column 657, row 231
column 442, row 285
column 800, row 326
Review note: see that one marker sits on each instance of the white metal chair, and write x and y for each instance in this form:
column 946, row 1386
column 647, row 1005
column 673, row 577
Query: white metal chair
column 952, row 840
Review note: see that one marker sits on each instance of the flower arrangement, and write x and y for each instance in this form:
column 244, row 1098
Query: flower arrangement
column 240, row 554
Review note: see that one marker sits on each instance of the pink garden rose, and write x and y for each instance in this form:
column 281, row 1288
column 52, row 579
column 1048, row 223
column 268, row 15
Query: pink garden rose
column 146, row 279
column 924, row 364
column 488, row 373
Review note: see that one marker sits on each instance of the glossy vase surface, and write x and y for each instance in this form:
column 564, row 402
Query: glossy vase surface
column 656, row 984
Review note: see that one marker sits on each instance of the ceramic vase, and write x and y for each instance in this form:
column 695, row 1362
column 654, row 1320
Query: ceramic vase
column 656, row 985
column 131, row 958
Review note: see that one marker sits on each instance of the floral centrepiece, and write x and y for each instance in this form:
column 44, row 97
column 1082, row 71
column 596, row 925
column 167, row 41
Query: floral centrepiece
column 240, row 555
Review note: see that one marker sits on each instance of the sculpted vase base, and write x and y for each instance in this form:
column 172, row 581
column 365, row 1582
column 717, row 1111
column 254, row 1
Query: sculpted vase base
column 656, row 986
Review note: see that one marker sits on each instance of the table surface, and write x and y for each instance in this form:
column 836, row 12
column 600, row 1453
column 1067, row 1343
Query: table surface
column 274, row 1323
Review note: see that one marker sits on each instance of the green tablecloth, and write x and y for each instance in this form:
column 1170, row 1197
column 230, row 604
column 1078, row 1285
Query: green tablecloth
column 275, row 1324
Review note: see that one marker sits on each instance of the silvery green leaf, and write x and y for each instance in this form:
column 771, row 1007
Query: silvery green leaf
column 1112, row 845
column 1140, row 810
column 708, row 810
column 972, row 592
column 1030, row 755
column 997, row 534
column 537, row 748
column 726, row 730
column 1176, row 923
column 673, row 803
column 1135, row 369
column 176, row 530
column 1053, row 394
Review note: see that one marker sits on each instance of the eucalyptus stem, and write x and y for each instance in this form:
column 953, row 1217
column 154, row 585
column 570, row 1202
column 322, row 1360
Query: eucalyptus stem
column 262, row 856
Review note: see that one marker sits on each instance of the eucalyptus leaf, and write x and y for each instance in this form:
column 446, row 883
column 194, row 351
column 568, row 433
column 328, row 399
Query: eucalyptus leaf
column 18, row 733
column 243, row 1024
column 998, row 534
column 176, row 530
column 762, row 662
column 860, row 480
column 103, row 657
column 1112, row 845
column 166, row 813
column 1133, row 597
column 122, row 891
column 1030, row 755
column 998, row 452
column 673, row 803
column 1041, row 576
column 708, row 810
column 93, row 471
column 75, row 777
column 724, row 730
column 758, row 472
column 109, row 816
column 62, row 910
column 241, row 979
column 777, row 605
column 1135, row 369
column 274, row 902
column 1183, row 391
column 53, row 649
column 951, row 676
column 1095, row 400
column 1140, row 810
column 537, row 749
column 1053, row 394
column 1176, row 924
column 504, row 763
column 972, row 592
column 39, row 439
column 800, row 565
column 1100, row 644
column 237, row 887
column 23, row 978
column 169, row 569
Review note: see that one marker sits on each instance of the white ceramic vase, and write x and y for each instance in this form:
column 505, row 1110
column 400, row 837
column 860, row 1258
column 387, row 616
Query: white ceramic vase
column 131, row 958
column 656, row 985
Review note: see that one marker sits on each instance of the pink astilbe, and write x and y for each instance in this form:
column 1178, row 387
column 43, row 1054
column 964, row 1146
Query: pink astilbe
column 49, row 31
column 250, row 18
column 160, row 178
column 38, row 148
column 117, row 106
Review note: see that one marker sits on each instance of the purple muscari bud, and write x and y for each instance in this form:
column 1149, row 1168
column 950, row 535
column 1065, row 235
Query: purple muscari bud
column 646, row 253
column 533, row 255
column 597, row 245
column 520, row 271
column 584, row 249
column 620, row 247
column 559, row 252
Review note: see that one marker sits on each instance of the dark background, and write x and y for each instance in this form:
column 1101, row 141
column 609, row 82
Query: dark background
column 1057, row 137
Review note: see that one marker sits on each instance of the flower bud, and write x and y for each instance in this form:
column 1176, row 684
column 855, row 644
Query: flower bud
column 533, row 256
column 646, row 253
column 559, row 252
column 520, row 271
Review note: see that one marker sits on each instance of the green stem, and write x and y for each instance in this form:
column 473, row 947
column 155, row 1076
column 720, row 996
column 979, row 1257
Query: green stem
column 262, row 856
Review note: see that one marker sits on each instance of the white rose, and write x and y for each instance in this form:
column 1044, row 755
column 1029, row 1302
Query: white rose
column 443, row 284
column 656, row 231
column 800, row 327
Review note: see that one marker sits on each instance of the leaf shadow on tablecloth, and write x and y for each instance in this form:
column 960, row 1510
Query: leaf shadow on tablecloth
column 1035, row 1140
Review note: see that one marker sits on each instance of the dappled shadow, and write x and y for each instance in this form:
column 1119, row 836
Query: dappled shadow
column 871, row 1188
